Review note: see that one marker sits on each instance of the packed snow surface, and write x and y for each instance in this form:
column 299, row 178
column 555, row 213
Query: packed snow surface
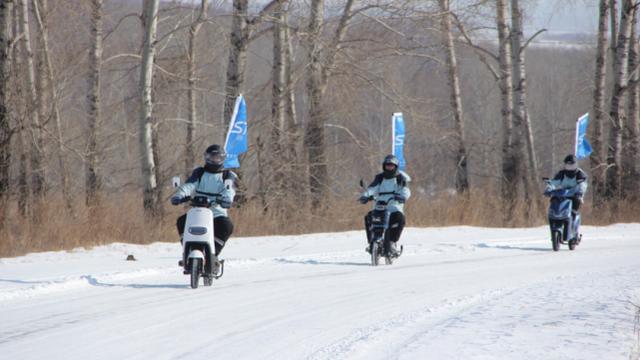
column 456, row 293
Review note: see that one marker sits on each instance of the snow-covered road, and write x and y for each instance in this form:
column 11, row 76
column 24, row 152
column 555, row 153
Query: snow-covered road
column 456, row 293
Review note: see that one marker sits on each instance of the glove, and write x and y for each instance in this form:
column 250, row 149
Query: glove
column 580, row 197
column 224, row 203
column 547, row 192
column 363, row 199
column 399, row 198
column 176, row 200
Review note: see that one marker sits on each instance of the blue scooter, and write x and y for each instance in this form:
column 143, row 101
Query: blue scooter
column 565, row 229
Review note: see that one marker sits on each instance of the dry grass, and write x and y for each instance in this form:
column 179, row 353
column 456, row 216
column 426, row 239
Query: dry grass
column 121, row 220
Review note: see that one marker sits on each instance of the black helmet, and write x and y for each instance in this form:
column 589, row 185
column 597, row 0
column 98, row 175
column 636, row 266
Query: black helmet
column 570, row 165
column 214, row 158
column 570, row 159
column 390, row 159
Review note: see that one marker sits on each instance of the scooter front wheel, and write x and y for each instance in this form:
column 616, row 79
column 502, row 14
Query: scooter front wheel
column 195, row 273
column 555, row 240
column 375, row 256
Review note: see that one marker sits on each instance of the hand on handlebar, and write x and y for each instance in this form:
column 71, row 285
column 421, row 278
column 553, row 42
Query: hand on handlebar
column 399, row 198
column 176, row 200
column 364, row 199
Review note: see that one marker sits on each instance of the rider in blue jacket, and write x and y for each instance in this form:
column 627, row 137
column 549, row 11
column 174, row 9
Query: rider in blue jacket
column 571, row 177
column 218, row 184
column 391, row 185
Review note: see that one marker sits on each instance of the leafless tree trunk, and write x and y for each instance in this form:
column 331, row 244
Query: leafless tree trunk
column 22, row 138
column 631, row 134
column 509, row 139
column 6, row 13
column 597, row 158
column 278, row 115
column 241, row 30
column 616, row 111
column 190, row 158
column 520, row 86
column 318, row 77
column 148, row 163
column 613, row 5
column 522, row 121
column 47, row 77
column 462, row 173
column 93, row 182
column 37, row 149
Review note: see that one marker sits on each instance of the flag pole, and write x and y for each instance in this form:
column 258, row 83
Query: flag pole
column 393, row 134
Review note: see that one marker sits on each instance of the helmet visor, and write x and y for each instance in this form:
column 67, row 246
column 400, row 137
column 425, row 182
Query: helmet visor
column 570, row 166
column 214, row 159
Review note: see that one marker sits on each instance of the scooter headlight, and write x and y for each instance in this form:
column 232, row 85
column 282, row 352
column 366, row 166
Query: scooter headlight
column 197, row 230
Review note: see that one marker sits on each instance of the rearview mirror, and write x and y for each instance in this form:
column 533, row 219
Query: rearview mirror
column 175, row 181
column 361, row 183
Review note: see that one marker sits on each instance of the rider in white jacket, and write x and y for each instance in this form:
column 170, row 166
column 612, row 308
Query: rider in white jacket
column 391, row 186
column 218, row 185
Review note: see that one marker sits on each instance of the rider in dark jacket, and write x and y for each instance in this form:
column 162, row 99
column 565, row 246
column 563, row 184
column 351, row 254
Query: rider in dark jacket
column 571, row 177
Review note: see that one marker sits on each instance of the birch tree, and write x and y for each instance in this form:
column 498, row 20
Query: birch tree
column 48, row 84
column 462, row 173
column 6, row 13
column 37, row 143
column 191, row 92
column 147, row 158
column 631, row 133
column 321, row 61
column 597, row 158
column 93, row 182
column 242, row 28
column 616, row 110
column 510, row 140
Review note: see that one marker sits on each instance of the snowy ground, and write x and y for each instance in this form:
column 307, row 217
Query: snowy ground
column 456, row 293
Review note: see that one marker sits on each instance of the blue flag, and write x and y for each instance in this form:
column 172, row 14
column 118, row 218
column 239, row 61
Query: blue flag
column 583, row 148
column 398, row 138
column 236, row 142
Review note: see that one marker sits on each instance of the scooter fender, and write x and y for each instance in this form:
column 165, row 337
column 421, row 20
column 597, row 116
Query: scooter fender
column 196, row 254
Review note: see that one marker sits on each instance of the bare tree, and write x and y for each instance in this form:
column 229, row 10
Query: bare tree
column 462, row 173
column 631, row 132
column 597, row 158
column 147, row 158
column 191, row 92
column 510, row 140
column 242, row 28
column 37, row 148
column 616, row 111
column 93, row 182
column 320, row 68
column 48, row 80
column 6, row 13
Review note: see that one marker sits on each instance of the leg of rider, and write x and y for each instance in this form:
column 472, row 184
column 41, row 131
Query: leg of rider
column 367, row 225
column 180, row 225
column 396, row 224
column 575, row 205
column 222, row 230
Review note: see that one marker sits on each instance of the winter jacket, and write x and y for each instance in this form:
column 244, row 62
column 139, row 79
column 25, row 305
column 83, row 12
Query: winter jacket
column 563, row 180
column 210, row 184
column 384, row 189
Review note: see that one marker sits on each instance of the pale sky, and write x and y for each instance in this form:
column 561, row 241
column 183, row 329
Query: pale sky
column 562, row 15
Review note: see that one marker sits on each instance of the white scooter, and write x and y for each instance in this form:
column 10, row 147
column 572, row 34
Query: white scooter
column 198, row 244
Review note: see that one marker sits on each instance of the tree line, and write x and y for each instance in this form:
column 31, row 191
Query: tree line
column 108, row 98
